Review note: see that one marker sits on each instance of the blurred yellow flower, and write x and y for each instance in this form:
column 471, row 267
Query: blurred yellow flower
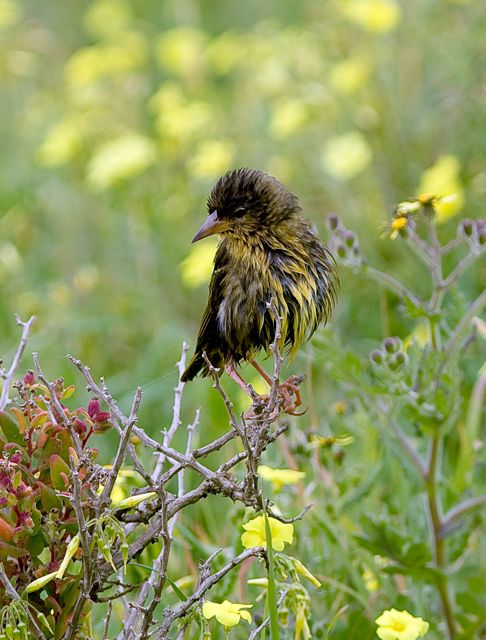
column 106, row 18
column 9, row 13
column 211, row 159
column 176, row 117
column 377, row 16
column 86, row 277
column 349, row 75
column 288, row 117
column 280, row 477
column 196, row 269
column 224, row 52
column 443, row 180
column 90, row 64
column 255, row 535
column 62, row 143
column 400, row 625
column 181, row 51
column 370, row 580
column 317, row 441
column 346, row 155
column 124, row 157
column 227, row 613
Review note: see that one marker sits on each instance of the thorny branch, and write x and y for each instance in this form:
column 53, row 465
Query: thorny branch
column 157, row 517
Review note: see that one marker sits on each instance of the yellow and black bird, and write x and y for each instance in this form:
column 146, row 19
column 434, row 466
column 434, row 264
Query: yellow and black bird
column 268, row 252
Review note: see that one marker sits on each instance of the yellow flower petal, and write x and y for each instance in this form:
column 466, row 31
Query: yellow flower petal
column 254, row 535
column 400, row 625
column 227, row 613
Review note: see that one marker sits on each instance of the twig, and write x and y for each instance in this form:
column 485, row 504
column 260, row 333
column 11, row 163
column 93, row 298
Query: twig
column 9, row 375
column 106, row 621
column 183, row 608
column 176, row 413
column 85, row 546
column 266, row 622
column 10, row 590
column 120, row 455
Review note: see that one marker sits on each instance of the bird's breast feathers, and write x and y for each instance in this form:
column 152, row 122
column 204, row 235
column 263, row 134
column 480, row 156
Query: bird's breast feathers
column 252, row 276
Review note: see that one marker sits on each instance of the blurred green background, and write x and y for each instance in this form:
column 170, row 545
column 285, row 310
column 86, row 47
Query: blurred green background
column 117, row 116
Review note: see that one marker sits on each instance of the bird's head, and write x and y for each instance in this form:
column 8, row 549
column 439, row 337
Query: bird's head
column 245, row 202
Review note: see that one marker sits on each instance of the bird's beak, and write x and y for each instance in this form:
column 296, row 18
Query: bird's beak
column 212, row 225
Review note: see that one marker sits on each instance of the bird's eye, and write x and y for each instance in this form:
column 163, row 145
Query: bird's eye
column 239, row 211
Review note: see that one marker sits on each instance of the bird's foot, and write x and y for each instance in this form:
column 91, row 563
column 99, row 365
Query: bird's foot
column 290, row 393
column 288, row 400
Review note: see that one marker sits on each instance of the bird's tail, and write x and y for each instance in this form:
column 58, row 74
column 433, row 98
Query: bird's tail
column 193, row 368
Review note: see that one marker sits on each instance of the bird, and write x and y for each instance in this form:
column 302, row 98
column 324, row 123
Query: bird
column 269, row 260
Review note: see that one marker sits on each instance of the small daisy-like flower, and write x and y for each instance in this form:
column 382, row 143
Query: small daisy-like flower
column 398, row 224
column 400, row 625
column 227, row 613
column 255, row 535
column 280, row 477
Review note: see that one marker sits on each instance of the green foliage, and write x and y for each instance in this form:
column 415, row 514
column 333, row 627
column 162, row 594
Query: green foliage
column 118, row 115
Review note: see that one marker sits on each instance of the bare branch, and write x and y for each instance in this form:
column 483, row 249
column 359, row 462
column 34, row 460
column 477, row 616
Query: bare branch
column 9, row 375
column 180, row 610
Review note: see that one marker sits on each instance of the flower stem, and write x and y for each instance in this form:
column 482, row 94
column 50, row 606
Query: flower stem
column 271, row 595
column 434, row 509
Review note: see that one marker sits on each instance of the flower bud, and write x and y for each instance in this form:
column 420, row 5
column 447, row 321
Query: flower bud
column 391, row 344
column 79, row 426
column 376, row 356
column 16, row 457
column 29, row 377
column 341, row 251
column 349, row 238
column 467, row 226
column 94, row 407
column 333, row 221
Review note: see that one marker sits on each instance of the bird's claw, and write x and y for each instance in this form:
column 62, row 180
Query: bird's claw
column 289, row 399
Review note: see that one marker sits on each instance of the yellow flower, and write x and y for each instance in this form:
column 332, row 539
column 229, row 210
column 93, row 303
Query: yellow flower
column 377, row 16
column 279, row 477
column 346, row 155
column 106, row 18
column 197, row 267
column 443, row 181
column 124, row 157
column 9, row 13
column 62, row 143
column 370, row 580
column 328, row 441
column 227, row 613
column 349, row 75
column 400, row 625
column 211, row 159
column 288, row 117
column 397, row 225
column 255, row 535
column 182, row 51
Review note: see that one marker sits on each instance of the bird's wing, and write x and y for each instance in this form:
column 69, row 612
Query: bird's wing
column 209, row 339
